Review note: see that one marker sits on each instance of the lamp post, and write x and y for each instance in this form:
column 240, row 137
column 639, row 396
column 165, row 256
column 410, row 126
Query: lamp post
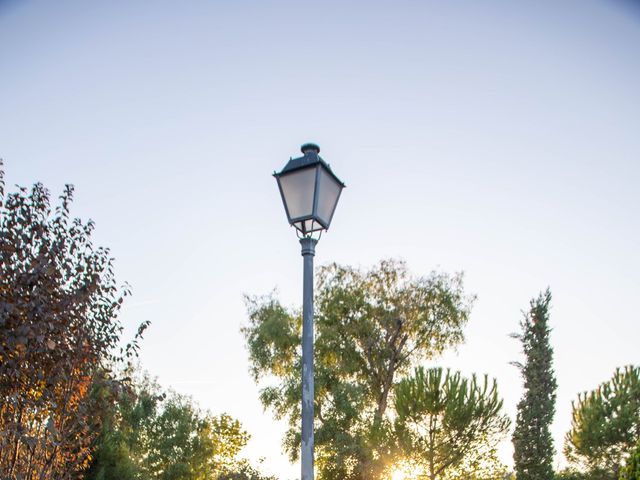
column 310, row 193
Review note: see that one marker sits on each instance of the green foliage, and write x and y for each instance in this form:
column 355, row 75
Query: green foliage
column 483, row 465
column 449, row 425
column 572, row 474
column 59, row 331
column 154, row 436
column 532, row 441
column 371, row 327
column 631, row 471
column 244, row 472
column 605, row 424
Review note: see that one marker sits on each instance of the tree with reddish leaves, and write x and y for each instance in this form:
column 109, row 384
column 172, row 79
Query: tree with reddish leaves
column 59, row 335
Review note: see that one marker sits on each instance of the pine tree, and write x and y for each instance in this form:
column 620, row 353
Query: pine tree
column 532, row 442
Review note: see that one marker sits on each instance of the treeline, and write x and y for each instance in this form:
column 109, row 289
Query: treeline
column 377, row 413
column 73, row 407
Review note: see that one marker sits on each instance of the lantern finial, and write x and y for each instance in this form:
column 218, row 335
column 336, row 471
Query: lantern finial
column 310, row 147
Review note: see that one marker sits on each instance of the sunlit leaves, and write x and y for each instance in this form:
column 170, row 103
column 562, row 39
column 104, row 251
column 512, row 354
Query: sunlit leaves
column 371, row 328
column 152, row 435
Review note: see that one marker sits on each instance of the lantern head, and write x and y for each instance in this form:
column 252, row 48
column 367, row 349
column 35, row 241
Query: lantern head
column 309, row 190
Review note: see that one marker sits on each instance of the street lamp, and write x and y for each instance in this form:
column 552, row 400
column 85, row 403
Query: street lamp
column 310, row 193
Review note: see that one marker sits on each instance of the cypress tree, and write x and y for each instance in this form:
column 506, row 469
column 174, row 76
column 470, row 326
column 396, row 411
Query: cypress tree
column 532, row 442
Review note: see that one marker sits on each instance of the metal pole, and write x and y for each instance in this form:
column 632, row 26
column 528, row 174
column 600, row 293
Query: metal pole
column 306, row 454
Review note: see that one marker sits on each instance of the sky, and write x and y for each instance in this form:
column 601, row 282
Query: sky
column 497, row 138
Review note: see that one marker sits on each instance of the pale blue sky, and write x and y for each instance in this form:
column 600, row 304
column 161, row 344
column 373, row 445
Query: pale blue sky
column 500, row 138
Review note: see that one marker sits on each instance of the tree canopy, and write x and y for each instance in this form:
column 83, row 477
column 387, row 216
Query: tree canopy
column 605, row 424
column 371, row 328
column 154, row 435
column 445, row 421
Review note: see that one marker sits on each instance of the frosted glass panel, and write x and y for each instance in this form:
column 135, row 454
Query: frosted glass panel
column 328, row 192
column 307, row 226
column 297, row 188
column 313, row 225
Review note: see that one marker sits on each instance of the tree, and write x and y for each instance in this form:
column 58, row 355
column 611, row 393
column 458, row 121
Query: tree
column 59, row 334
column 112, row 454
column 573, row 474
column 371, row 327
column 153, row 435
column 532, row 441
column 631, row 470
column 446, row 423
column 483, row 465
column 605, row 424
column 185, row 444
column 244, row 472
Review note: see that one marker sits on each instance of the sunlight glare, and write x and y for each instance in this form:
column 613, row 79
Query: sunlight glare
column 398, row 475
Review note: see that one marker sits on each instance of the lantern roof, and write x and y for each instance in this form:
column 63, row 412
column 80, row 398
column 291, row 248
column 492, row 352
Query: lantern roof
column 309, row 158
